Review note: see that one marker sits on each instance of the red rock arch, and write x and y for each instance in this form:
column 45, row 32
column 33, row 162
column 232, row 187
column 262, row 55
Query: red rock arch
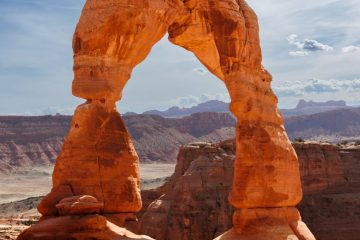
column 98, row 158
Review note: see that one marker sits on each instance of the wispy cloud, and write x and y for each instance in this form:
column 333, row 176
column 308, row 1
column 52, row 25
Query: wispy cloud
column 36, row 57
column 314, row 85
column 189, row 101
column 306, row 46
column 298, row 54
column 350, row 48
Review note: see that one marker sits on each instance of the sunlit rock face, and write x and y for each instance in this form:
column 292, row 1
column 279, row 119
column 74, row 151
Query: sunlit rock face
column 98, row 158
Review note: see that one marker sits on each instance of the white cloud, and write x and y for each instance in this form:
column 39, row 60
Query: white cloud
column 306, row 46
column 350, row 48
column 189, row 101
column 29, row 74
column 318, row 86
column 298, row 54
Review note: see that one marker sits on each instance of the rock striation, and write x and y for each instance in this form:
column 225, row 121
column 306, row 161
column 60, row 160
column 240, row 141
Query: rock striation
column 192, row 204
column 111, row 38
column 331, row 207
column 30, row 141
column 321, row 166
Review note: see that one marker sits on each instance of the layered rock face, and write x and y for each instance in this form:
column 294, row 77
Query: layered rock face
column 98, row 159
column 331, row 207
column 192, row 205
column 30, row 141
column 321, row 166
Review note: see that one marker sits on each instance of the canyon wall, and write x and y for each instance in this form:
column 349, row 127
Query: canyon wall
column 30, row 141
column 193, row 204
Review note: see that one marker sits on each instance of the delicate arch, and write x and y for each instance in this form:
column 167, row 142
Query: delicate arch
column 112, row 37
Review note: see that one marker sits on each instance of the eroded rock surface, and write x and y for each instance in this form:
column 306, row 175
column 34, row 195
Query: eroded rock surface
column 192, row 205
column 333, row 212
column 321, row 166
column 98, row 155
column 78, row 227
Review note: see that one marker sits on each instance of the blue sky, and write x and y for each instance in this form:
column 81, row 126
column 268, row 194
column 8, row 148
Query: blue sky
column 312, row 49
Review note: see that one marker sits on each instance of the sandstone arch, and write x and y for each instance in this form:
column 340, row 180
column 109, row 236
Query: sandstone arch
column 98, row 158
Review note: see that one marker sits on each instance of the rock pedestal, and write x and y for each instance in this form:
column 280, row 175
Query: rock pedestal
column 98, row 158
column 78, row 220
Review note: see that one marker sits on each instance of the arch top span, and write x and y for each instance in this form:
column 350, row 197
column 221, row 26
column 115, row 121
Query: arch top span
column 112, row 37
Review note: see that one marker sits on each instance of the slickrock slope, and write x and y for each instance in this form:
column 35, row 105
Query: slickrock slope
column 98, row 158
column 193, row 205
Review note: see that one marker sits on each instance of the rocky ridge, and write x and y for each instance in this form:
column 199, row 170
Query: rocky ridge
column 30, row 141
column 332, row 125
column 37, row 141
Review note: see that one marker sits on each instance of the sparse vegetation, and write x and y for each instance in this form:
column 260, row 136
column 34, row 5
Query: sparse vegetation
column 299, row 140
column 357, row 143
column 345, row 142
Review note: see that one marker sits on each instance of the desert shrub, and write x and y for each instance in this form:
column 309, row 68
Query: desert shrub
column 299, row 139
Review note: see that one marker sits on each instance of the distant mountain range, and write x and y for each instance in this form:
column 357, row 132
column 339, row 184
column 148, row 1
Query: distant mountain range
column 36, row 141
column 302, row 108
column 311, row 107
column 209, row 106
column 332, row 125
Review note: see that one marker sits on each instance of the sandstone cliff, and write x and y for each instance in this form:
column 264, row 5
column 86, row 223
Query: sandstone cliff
column 193, row 204
column 331, row 207
column 31, row 141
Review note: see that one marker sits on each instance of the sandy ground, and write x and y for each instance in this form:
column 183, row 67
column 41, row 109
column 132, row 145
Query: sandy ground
column 37, row 181
column 25, row 184
column 16, row 214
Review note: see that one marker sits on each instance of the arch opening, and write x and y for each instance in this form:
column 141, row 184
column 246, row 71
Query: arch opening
column 170, row 76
